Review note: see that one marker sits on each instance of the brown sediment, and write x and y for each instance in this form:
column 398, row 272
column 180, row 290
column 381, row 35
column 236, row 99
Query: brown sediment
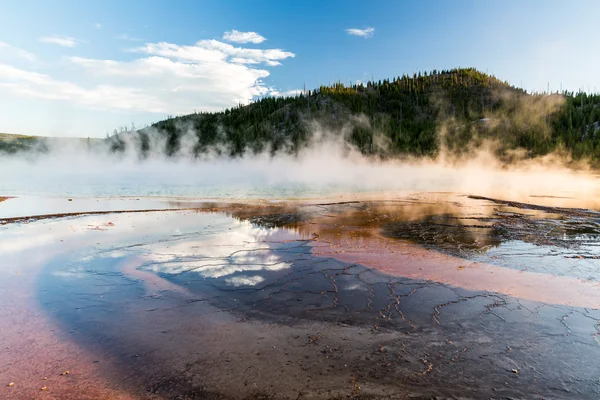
column 411, row 261
column 161, row 345
column 31, row 218
column 354, row 333
column 528, row 206
column 352, row 232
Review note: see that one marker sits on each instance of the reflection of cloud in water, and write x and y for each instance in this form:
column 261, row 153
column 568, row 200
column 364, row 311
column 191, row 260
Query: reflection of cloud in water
column 238, row 249
column 245, row 280
column 212, row 269
column 77, row 272
column 27, row 237
column 355, row 286
column 111, row 254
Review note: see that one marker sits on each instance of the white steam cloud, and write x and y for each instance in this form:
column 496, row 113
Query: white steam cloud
column 328, row 167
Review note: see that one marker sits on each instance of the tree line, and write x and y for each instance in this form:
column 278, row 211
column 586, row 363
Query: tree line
column 418, row 115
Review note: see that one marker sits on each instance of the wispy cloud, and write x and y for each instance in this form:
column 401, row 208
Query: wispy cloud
column 12, row 51
column 243, row 37
column 167, row 79
column 65, row 41
column 36, row 85
column 98, row 25
column 365, row 33
column 125, row 36
column 289, row 93
column 213, row 50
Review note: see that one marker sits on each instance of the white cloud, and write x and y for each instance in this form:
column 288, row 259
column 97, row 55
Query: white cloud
column 65, row 41
column 289, row 93
column 238, row 60
column 98, row 25
column 11, row 51
column 168, row 79
column 245, row 280
column 213, row 51
column 366, row 33
column 243, row 37
column 31, row 84
column 125, row 36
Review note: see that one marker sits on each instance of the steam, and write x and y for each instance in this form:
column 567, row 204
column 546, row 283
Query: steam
column 510, row 115
column 327, row 167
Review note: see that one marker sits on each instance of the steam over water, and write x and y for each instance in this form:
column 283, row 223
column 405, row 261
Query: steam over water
column 321, row 172
column 327, row 167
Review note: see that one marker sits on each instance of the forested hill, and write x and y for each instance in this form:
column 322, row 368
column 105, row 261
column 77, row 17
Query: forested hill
column 453, row 111
column 399, row 116
column 409, row 115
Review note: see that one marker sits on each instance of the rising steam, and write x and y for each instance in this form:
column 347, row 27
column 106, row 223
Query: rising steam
column 327, row 166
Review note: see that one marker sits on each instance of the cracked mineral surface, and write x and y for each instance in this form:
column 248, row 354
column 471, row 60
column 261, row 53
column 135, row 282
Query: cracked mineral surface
column 424, row 296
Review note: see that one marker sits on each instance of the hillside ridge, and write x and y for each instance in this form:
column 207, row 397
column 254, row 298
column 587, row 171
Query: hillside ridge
column 452, row 111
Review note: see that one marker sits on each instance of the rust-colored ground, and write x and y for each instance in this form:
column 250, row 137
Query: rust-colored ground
column 410, row 261
column 332, row 326
column 36, row 352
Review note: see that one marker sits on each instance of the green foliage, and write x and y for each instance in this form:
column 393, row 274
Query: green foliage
column 11, row 144
column 453, row 111
column 406, row 110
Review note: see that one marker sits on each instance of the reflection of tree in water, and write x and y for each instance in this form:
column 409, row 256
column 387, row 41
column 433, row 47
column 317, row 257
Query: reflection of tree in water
column 562, row 231
column 453, row 234
column 457, row 227
column 447, row 232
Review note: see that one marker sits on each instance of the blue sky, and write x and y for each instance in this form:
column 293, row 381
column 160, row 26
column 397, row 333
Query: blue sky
column 82, row 68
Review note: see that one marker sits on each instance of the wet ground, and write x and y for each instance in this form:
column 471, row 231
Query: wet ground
column 424, row 296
